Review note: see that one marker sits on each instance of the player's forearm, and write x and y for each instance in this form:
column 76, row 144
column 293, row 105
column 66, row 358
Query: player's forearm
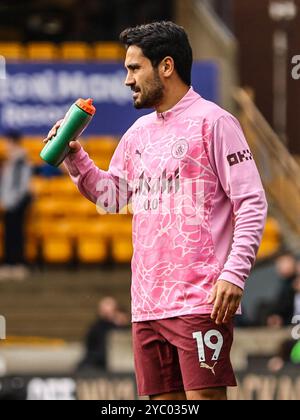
column 98, row 186
column 250, row 216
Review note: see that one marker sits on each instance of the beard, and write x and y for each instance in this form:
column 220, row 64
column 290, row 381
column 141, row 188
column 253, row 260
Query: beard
column 152, row 94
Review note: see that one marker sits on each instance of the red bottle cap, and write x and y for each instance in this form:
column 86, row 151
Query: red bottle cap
column 86, row 105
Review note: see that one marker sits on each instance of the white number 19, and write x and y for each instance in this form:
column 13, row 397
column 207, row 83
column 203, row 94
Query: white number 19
column 207, row 341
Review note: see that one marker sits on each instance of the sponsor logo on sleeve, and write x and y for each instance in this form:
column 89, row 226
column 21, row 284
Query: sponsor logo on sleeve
column 239, row 157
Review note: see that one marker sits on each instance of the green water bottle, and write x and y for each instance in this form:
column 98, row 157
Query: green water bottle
column 76, row 120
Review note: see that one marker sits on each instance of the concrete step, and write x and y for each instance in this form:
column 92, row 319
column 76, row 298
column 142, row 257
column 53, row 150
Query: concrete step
column 60, row 304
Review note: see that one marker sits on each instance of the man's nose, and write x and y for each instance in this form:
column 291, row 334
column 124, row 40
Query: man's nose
column 129, row 81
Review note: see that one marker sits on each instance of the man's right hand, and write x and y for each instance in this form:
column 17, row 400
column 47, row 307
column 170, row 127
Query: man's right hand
column 75, row 146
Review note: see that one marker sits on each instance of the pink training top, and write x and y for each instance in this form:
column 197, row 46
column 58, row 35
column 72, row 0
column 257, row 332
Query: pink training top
column 199, row 205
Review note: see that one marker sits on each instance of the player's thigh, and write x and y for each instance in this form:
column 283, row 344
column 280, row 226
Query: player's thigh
column 204, row 354
column 156, row 362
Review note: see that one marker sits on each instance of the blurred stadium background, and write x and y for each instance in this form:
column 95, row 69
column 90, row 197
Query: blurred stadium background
column 58, row 50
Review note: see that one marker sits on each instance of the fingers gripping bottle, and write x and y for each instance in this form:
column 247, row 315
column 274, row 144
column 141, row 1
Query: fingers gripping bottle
column 76, row 120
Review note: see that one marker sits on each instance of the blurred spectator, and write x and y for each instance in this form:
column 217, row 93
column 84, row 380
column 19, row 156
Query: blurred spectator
column 277, row 313
column 288, row 302
column 284, row 356
column 286, row 267
column 110, row 317
column 15, row 198
column 287, row 308
column 45, row 22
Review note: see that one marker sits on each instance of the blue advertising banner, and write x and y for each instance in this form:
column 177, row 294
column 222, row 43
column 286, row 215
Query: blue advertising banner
column 33, row 95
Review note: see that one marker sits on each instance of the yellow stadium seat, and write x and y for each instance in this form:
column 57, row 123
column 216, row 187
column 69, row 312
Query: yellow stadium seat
column 92, row 250
column 109, row 51
column 122, row 247
column 271, row 241
column 120, row 224
column 76, row 51
column 122, row 250
column 62, row 187
column 101, row 162
column 32, row 141
column 33, row 146
column 51, row 207
column 42, row 51
column 101, row 146
column 92, row 240
column 67, row 206
column 56, row 228
column 97, row 228
column 81, row 207
column 40, row 186
column 12, row 50
column 43, row 207
column 57, row 250
column 267, row 249
column 272, row 228
column 56, row 239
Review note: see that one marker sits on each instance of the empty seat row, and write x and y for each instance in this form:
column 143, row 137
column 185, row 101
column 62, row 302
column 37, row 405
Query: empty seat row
column 100, row 149
column 62, row 240
column 87, row 250
column 45, row 51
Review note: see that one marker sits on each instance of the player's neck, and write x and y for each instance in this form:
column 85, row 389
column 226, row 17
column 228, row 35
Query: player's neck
column 173, row 95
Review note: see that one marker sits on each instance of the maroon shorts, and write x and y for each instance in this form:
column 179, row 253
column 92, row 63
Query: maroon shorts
column 184, row 353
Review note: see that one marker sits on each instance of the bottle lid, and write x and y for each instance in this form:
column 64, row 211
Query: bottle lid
column 86, row 105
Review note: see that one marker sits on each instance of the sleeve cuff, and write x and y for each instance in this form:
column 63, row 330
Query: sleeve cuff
column 232, row 278
column 71, row 157
column 72, row 161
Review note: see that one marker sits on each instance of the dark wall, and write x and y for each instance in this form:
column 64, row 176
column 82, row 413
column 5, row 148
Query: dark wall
column 76, row 20
column 254, row 30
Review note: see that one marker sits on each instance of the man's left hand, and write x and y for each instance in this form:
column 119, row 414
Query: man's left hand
column 226, row 298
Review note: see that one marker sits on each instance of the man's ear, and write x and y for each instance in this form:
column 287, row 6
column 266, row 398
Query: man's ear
column 167, row 67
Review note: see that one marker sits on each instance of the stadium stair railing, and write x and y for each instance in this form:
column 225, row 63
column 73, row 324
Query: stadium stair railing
column 279, row 170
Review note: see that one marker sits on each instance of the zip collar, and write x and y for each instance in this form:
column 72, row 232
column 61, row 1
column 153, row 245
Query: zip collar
column 188, row 100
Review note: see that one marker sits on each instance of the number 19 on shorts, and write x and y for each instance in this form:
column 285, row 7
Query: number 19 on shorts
column 206, row 341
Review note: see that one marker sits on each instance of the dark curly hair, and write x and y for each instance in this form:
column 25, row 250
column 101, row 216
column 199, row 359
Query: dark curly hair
column 158, row 40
